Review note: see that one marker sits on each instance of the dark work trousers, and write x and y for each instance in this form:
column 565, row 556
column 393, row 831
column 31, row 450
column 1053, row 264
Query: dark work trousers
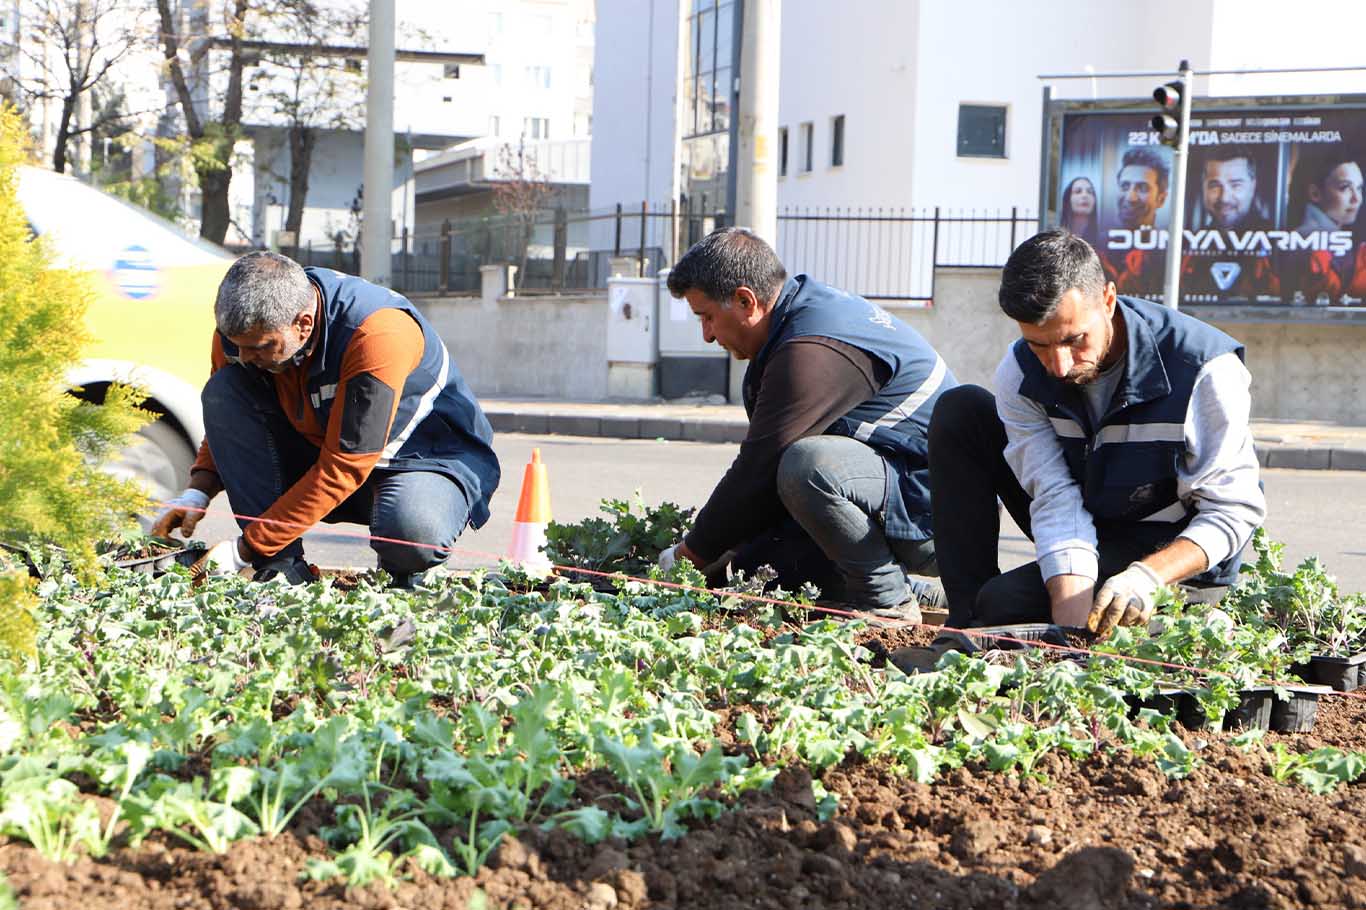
column 968, row 472
column 259, row 455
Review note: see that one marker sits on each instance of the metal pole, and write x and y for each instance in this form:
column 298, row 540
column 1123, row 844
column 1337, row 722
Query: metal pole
column 756, row 186
column 376, row 231
column 443, row 268
column 1171, row 294
column 640, row 256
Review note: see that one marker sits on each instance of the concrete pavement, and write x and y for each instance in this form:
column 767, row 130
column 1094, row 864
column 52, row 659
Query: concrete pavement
column 1306, row 445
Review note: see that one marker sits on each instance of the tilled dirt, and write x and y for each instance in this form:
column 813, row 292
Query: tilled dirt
column 1107, row 832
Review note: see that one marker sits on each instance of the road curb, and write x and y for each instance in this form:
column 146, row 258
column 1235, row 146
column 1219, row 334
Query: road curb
column 1317, row 457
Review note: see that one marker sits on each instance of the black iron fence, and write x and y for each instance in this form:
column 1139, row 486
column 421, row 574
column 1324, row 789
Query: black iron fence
column 892, row 254
column 882, row 254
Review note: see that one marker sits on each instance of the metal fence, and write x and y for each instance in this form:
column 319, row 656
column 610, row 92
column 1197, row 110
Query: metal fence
column 892, row 254
column 883, row 254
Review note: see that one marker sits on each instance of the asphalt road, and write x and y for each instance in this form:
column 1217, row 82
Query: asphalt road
column 1313, row 512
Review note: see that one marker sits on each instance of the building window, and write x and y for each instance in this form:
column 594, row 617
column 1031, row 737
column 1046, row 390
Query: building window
column 837, row 141
column 782, row 151
column 450, row 71
column 808, row 148
column 981, row 131
column 707, row 82
column 536, row 127
column 496, row 70
column 538, row 76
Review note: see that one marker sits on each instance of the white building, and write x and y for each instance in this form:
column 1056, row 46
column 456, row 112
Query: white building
column 535, row 81
column 877, row 95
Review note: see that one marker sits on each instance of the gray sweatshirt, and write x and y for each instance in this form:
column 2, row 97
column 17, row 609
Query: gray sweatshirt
column 1218, row 476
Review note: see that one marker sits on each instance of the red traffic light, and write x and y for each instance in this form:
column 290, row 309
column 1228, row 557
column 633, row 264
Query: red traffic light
column 1168, row 96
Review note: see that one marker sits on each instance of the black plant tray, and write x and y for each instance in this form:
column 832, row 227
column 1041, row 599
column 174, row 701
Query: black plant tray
column 161, row 563
column 1014, row 637
column 1253, row 711
column 1342, row 674
column 1299, row 712
column 1258, row 708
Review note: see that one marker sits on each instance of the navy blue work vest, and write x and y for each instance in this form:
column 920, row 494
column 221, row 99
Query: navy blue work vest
column 895, row 420
column 439, row 425
column 1126, row 466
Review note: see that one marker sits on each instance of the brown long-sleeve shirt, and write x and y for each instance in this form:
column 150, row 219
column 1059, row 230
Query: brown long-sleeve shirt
column 807, row 384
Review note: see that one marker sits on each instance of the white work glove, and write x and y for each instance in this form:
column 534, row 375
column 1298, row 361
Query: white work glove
column 222, row 559
column 668, row 559
column 1126, row 599
column 183, row 512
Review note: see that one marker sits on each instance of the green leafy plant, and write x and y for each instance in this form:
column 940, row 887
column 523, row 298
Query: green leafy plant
column 629, row 540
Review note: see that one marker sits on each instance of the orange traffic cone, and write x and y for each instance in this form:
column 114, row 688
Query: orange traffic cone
column 533, row 514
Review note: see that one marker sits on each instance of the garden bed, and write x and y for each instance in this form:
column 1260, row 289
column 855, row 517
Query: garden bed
column 494, row 741
column 1113, row 830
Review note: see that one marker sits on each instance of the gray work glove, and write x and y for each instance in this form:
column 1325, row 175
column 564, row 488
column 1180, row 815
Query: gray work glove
column 1126, row 599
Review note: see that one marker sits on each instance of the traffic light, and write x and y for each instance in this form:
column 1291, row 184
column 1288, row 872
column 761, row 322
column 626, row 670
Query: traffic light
column 1168, row 123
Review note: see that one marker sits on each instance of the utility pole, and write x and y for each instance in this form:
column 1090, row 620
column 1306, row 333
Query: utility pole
column 756, row 177
column 756, row 181
column 1175, row 131
column 375, row 260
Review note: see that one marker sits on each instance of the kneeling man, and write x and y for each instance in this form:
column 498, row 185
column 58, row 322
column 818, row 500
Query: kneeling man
column 831, row 482
column 1117, row 438
column 333, row 399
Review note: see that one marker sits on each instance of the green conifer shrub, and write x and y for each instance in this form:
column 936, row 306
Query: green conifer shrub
column 51, row 444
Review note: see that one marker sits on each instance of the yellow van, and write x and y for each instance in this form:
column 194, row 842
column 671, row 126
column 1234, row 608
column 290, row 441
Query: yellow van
column 152, row 318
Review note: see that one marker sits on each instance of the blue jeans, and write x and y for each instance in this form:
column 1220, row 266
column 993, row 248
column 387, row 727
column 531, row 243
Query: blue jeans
column 834, row 488
column 259, row 455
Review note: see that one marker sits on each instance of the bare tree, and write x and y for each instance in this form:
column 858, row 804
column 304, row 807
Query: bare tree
column 303, row 87
column 522, row 193
column 212, row 138
column 68, row 48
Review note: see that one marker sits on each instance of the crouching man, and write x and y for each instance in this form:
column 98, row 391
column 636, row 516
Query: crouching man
column 831, row 484
column 1117, row 438
column 332, row 399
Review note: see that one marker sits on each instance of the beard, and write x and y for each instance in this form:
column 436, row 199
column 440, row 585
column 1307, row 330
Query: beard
column 1087, row 373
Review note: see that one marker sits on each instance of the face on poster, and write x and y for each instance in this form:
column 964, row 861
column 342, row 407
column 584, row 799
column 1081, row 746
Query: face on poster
column 1273, row 200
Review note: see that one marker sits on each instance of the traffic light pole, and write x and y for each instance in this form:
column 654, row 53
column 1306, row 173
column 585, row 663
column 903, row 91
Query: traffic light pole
column 1171, row 295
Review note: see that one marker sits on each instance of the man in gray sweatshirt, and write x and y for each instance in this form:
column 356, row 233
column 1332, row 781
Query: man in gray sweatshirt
column 1117, row 437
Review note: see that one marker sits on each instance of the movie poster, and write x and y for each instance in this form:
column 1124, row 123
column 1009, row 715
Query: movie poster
column 1273, row 200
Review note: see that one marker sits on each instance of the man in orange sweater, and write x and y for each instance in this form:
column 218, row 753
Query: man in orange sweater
column 332, row 399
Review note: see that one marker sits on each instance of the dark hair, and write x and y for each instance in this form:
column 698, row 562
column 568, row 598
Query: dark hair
column 1146, row 157
column 1045, row 267
column 1091, row 233
column 1312, row 167
column 1230, row 153
column 726, row 260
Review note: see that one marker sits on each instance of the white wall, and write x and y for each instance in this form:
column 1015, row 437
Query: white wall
column 635, row 65
column 983, row 51
column 866, row 70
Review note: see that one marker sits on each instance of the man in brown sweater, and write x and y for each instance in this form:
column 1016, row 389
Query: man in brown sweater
column 831, row 483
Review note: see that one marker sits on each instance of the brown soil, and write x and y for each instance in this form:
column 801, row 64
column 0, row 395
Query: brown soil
column 1107, row 832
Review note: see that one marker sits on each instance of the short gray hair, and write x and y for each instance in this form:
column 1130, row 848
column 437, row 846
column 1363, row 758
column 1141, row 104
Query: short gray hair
column 262, row 291
column 726, row 260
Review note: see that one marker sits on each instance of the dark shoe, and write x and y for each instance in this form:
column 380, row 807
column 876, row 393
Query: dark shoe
column 919, row 659
column 293, row 569
column 929, row 595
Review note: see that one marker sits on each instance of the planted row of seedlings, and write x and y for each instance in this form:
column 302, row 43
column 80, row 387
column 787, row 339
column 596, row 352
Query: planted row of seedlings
column 424, row 726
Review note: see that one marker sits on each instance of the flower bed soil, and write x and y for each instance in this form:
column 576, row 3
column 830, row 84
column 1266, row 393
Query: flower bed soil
column 1110, row 831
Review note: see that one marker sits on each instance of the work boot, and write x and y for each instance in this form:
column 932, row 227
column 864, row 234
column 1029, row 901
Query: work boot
column 293, row 569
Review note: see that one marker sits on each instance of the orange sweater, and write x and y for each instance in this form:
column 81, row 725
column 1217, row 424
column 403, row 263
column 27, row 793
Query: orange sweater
column 388, row 345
